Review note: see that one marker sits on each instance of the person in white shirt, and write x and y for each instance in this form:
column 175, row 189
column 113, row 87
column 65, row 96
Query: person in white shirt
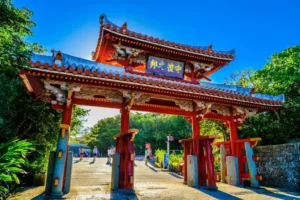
column 81, row 151
column 147, row 155
column 112, row 152
column 108, row 155
column 95, row 152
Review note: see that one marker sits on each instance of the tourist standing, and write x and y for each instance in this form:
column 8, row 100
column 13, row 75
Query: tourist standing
column 112, row 152
column 95, row 152
column 147, row 155
column 81, row 151
column 108, row 155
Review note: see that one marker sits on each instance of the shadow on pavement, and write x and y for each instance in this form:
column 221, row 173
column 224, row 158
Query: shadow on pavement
column 218, row 194
column 152, row 168
column 276, row 193
column 28, row 192
column 139, row 158
column 76, row 161
column 175, row 175
column 123, row 194
column 151, row 161
column 39, row 197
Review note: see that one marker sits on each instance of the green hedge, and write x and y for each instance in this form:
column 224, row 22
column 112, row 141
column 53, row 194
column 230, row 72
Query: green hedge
column 159, row 153
column 174, row 161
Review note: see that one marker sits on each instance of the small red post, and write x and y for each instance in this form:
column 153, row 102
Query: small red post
column 186, row 150
column 233, row 136
column 196, row 133
column 201, row 163
column 210, row 164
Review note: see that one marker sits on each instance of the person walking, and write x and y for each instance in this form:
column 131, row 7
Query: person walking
column 147, row 155
column 108, row 155
column 95, row 152
column 112, row 152
column 81, row 151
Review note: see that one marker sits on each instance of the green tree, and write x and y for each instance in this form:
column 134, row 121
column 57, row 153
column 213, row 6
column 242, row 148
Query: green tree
column 214, row 128
column 281, row 75
column 102, row 133
column 78, row 119
column 241, row 78
column 15, row 25
column 20, row 115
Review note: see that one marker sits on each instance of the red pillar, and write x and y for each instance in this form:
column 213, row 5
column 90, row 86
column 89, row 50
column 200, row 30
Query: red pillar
column 67, row 114
column 210, row 164
column 62, row 152
column 196, row 133
column 126, row 149
column 198, row 148
column 66, row 119
column 233, row 136
column 185, row 147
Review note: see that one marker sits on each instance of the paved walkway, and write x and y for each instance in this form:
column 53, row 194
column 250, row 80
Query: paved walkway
column 92, row 181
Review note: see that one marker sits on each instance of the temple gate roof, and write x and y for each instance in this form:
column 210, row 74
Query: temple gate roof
column 78, row 67
column 114, row 42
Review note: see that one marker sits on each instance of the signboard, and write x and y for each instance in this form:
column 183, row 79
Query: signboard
column 165, row 67
column 171, row 138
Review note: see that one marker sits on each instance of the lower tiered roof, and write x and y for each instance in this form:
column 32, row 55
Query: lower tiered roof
column 76, row 68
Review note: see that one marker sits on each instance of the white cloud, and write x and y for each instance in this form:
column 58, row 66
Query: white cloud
column 97, row 114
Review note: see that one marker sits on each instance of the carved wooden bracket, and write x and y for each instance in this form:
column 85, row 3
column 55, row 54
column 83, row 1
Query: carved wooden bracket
column 184, row 105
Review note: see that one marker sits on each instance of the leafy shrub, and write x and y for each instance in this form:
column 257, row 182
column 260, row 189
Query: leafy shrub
column 160, row 156
column 12, row 158
column 175, row 160
column 217, row 163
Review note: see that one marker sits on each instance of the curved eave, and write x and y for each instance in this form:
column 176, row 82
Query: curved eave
column 159, row 86
column 155, row 45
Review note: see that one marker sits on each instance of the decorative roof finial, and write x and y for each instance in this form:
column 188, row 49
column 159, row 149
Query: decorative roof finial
column 210, row 48
column 124, row 26
column 102, row 19
column 57, row 56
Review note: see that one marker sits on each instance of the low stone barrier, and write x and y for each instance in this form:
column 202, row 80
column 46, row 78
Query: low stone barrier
column 279, row 165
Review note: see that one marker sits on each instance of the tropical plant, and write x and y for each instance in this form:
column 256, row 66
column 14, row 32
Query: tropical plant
column 160, row 156
column 175, row 160
column 12, row 158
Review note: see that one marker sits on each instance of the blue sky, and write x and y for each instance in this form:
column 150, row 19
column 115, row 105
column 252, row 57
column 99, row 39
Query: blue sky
column 255, row 29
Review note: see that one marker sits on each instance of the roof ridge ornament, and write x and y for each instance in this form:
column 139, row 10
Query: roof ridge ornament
column 57, row 56
column 124, row 27
column 209, row 50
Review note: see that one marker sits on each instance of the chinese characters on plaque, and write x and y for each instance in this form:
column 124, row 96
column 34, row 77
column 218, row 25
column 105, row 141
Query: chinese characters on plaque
column 165, row 67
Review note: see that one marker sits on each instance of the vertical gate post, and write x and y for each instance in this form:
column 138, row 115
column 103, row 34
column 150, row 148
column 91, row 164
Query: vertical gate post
column 223, row 163
column 186, row 150
column 235, row 150
column 210, row 164
column 62, row 151
column 49, row 181
column 233, row 137
column 125, row 148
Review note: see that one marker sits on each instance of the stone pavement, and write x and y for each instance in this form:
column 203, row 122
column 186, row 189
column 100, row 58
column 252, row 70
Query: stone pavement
column 92, row 181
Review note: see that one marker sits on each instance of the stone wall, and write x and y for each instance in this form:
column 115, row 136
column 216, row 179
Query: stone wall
column 279, row 165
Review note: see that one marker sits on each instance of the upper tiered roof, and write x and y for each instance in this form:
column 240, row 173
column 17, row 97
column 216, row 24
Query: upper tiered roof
column 111, row 36
column 205, row 51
